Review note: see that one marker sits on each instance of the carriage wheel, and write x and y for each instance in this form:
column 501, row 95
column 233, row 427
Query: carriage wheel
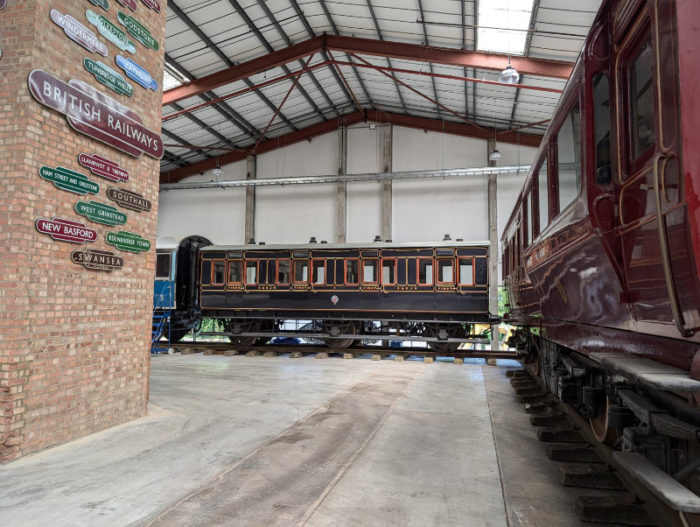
column 340, row 343
column 600, row 428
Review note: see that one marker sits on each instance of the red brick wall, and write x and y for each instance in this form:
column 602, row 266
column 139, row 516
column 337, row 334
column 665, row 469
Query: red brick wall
column 74, row 343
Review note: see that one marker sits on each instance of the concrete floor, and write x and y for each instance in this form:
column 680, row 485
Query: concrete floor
column 280, row 441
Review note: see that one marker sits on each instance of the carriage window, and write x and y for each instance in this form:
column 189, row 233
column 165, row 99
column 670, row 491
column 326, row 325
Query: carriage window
column 351, row 271
column 445, row 271
column 319, row 272
column 369, row 271
column 389, row 271
column 301, row 271
column 527, row 205
column 641, row 94
column 163, row 266
column 601, row 113
column 569, row 158
column 283, row 272
column 235, row 271
column 466, row 271
column 251, row 271
column 219, row 272
column 425, row 271
column 543, row 195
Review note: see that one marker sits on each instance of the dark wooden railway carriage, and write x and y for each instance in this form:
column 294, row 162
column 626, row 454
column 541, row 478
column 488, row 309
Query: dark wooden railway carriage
column 434, row 291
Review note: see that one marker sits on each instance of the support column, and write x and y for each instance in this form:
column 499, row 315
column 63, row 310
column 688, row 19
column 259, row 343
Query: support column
column 251, row 173
column 342, row 194
column 493, row 240
column 76, row 319
column 387, row 186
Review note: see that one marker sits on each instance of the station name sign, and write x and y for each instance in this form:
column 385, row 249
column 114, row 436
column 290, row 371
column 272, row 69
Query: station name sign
column 137, row 31
column 69, row 180
column 96, row 115
column 97, row 260
column 103, row 167
column 65, row 230
column 107, row 76
column 128, row 241
column 131, row 4
column 111, row 32
column 78, row 33
column 128, row 199
column 100, row 213
column 104, row 4
column 152, row 4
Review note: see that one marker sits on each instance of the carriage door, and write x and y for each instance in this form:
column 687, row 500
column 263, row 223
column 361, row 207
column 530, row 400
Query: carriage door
column 648, row 167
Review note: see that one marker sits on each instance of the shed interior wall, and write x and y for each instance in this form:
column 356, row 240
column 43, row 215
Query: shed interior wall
column 423, row 210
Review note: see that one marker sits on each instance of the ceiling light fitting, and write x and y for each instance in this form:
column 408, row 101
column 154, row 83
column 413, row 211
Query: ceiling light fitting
column 509, row 75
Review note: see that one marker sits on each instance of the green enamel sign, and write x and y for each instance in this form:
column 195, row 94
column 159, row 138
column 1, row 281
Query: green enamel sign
column 107, row 76
column 100, row 213
column 104, row 4
column 69, row 180
column 137, row 31
column 111, row 32
column 128, row 241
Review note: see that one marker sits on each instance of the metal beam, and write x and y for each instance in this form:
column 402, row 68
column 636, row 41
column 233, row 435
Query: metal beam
column 350, row 178
column 336, row 32
column 427, row 43
column 399, row 50
column 221, row 107
column 421, row 123
column 249, row 22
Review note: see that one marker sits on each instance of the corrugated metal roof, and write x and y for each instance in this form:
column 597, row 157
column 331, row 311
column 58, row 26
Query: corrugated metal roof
column 207, row 36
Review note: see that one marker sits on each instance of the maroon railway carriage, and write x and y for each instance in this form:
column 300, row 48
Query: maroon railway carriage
column 601, row 257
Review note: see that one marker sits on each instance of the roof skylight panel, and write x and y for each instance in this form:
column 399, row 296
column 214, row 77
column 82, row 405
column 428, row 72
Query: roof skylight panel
column 503, row 26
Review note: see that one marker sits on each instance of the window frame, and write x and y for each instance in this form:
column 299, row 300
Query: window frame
column 459, row 270
column 381, row 269
column 377, row 276
column 325, row 272
column 345, row 271
column 432, row 277
column 277, row 271
column 437, row 270
column 228, row 274
column 257, row 271
column 630, row 52
column 213, row 267
column 553, row 153
column 294, row 271
column 170, row 265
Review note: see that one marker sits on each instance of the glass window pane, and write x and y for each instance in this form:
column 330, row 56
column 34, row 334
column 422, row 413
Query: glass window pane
column 351, row 271
column 301, row 271
column 283, row 272
column 251, row 271
column 163, row 266
column 601, row 112
column 466, row 272
column 425, row 271
column 543, row 190
column 642, row 101
column 569, row 158
column 369, row 271
column 219, row 272
column 445, row 271
column 389, row 272
column 319, row 272
column 235, row 271
column 527, row 204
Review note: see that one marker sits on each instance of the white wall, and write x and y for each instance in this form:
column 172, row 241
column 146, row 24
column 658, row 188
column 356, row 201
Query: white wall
column 423, row 210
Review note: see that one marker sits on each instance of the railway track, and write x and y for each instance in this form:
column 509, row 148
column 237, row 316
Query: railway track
column 588, row 464
column 323, row 351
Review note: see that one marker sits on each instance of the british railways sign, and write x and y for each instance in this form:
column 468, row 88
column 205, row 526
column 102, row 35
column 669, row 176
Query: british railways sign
column 94, row 114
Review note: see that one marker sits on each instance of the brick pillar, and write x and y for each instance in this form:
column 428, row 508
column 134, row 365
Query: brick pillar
column 74, row 342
